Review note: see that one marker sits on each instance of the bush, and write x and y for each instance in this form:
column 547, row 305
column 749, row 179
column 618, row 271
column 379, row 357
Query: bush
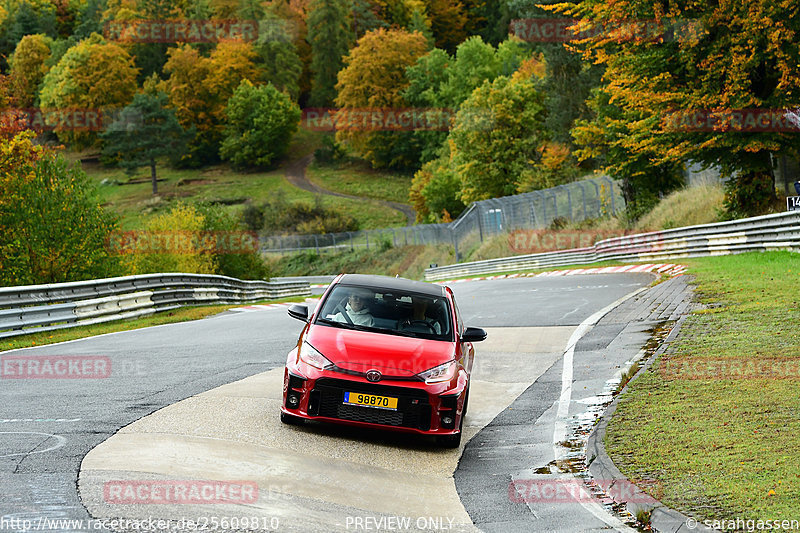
column 261, row 122
column 52, row 227
column 204, row 240
column 280, row 216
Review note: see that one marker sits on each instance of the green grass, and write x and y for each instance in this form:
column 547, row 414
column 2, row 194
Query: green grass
column 723, row 443
column 686, row 207
column 358, row 179
column 134, row 202
column 167, row 317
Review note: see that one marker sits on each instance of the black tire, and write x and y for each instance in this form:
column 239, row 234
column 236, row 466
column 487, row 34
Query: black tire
column 454, row 441
column 291, row 419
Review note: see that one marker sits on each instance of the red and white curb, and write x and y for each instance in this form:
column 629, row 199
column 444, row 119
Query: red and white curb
column 666, row 269
column 263, row 307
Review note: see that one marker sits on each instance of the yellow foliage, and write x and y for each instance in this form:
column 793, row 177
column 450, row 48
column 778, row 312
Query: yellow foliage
column 178, row 226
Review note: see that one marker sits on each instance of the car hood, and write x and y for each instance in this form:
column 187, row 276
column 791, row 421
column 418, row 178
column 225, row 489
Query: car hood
column 392, row 355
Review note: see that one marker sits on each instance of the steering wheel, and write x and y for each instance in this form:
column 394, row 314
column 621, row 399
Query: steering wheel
column 412, row 323
column 340, row 308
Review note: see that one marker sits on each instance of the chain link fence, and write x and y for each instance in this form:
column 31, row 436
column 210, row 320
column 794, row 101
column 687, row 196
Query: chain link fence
column 592, row 198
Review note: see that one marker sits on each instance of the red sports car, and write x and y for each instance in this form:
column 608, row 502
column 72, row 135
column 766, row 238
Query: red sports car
column 384, row 353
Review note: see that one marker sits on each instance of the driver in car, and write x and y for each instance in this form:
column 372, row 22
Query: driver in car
column 357, row 309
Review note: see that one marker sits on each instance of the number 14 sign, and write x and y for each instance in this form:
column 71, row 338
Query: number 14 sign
column 793, row 203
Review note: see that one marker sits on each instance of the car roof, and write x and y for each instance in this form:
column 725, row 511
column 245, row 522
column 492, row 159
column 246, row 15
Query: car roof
column 398, row 284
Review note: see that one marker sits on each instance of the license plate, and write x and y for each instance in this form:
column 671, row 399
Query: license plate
column 370, row 400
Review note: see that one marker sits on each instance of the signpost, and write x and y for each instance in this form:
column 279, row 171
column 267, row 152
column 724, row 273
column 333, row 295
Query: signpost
column 793, row 203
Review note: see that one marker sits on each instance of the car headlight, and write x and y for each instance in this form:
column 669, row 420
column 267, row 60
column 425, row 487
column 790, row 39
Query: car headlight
column 309, row 355
column 439, row 373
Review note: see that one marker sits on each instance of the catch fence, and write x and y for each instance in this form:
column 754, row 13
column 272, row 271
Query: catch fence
column 592, row 198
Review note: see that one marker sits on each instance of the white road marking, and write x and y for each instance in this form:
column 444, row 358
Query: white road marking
column 562, row 415
column 60, row 441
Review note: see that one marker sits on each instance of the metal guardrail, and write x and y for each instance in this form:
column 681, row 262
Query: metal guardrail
column 769, row 232
column 38, row 308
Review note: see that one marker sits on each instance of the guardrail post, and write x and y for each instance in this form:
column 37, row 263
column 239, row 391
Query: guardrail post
column 455, row 245
column 583, row 195
column 352, row 246
column 611, row 192
column 569, row 202
column 316, row 243
column 366, row 234
column 599, row 200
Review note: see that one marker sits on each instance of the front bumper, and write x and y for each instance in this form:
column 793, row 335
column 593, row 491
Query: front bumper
column 425, row 409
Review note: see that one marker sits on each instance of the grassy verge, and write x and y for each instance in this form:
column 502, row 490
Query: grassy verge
column 358, row 179
column 715, row 419
column 167, row 317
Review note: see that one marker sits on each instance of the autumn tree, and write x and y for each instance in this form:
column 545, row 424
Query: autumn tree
column 374, row 77
column 601, row 140
column 28, row 67
column 25, row 18
column 331, row 36
column 260, row 123
column 448, row 23
column 199, row 88
column 92, row 76
column 739, row 55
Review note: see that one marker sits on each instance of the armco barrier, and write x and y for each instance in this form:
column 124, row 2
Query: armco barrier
column 769, row 232
column 37, row 308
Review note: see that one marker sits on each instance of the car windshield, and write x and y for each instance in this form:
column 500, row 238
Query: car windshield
column 394, row 312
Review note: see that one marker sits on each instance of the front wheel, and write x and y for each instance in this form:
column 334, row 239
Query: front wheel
column 291, row 419
column 454, row 441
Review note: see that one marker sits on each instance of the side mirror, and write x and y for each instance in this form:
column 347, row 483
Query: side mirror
column 473, row 335
column 300, row 312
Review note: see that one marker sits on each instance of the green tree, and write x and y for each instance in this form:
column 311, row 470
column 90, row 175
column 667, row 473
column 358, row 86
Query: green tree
column 92, row 76
column 331, row 36
column 145, row 131
column 497, row 138
column 261, row 122
column 28, row 67
column 278, row 55
column 440, row 81
column 52, row 227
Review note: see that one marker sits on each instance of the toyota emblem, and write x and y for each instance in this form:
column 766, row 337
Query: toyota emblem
column 374, row 376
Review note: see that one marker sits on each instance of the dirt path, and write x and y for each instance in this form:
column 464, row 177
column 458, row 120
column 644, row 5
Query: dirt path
column 296, row 175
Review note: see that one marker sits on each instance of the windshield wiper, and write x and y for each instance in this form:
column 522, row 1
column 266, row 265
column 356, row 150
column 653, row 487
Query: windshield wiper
column 345, row 325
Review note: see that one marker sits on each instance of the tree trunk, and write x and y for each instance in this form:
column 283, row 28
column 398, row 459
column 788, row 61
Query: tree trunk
column 752, row 191
column 153, row 176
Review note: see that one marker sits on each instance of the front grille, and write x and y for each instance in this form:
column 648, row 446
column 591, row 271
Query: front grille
column 413, row 409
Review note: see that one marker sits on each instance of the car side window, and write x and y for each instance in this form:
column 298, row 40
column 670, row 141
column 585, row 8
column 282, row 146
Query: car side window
column 459, row 323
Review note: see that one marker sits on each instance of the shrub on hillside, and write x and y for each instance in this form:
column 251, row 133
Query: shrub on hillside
column 52, row 227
